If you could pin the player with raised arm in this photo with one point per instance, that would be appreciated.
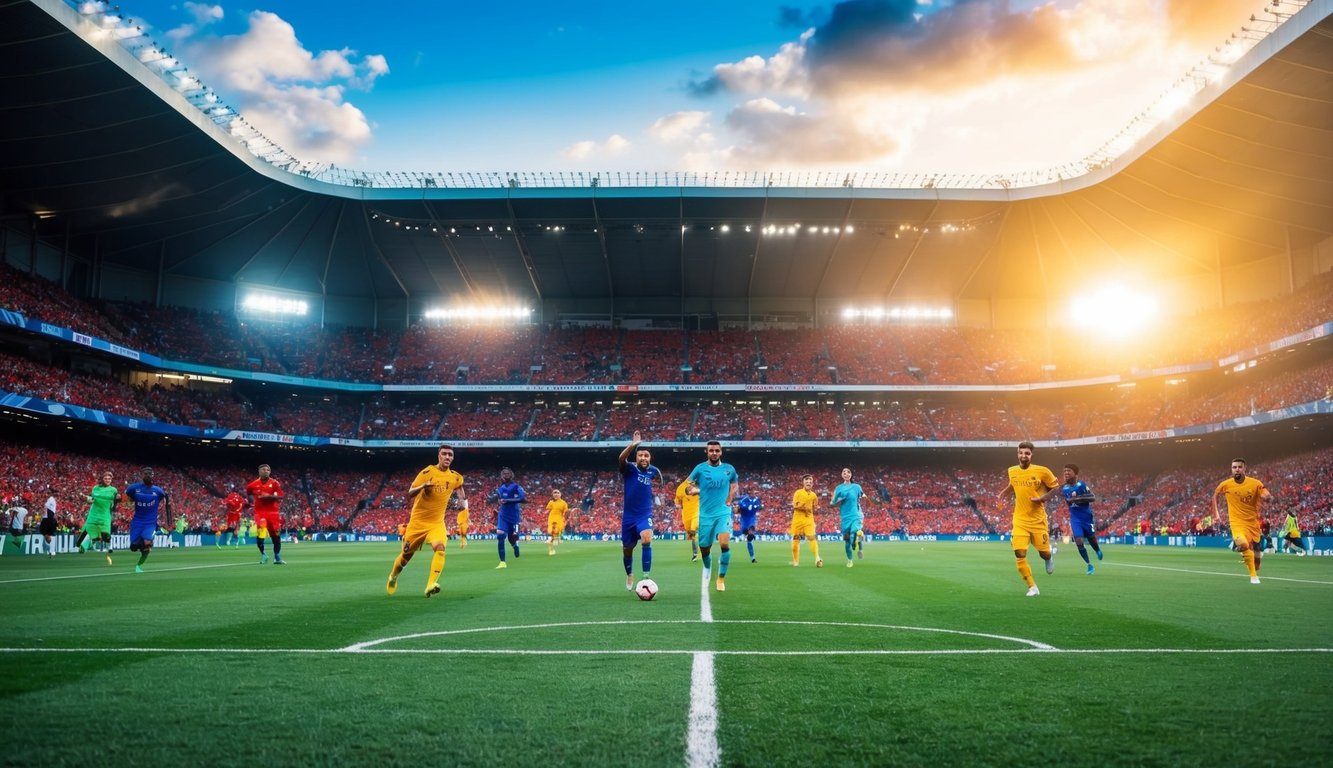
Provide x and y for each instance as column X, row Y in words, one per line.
column 429, row 493
column 148, row 500
column 1029, row 483
column 1243, row 495
column 510, row 514
column 1079, row 497
column 689, row 516
column 715, row 483
column 555, row 520
column 803, row 505
column 749, row 506
column 847, row 498
column 267, row 494
column 636, row 517
column 97, row 527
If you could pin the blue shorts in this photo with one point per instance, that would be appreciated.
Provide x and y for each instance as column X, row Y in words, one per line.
column 850, row 527
column 507, row 527
column 1081, row 527
column 710, row 529
column 631, row 531
column 142, row 531
column 749, row 521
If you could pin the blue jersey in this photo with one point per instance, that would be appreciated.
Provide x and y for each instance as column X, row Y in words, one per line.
column 749, row 506
column 848, row 498
column 511, row 496
column 147, row 499
column 714, row 489
column 638, row 491
column 1079, row 498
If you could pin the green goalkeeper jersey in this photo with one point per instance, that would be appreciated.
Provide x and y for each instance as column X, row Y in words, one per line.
column 104, row 496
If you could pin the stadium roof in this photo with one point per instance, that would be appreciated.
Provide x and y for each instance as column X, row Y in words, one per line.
column 101, row 158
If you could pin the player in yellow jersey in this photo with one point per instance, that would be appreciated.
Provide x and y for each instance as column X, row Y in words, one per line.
column 555, row 520
column 1243, row 495
column 462, row 522
column 689, row 516
column 1029, row 483
column 430, row 493
column 803, row 505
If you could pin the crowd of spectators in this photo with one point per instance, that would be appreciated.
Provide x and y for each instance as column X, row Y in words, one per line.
column 522, row 354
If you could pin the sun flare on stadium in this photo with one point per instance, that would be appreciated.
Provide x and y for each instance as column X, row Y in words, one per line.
column 1114, row 311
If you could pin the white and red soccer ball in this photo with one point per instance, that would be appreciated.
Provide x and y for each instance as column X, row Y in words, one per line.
column 646, row 589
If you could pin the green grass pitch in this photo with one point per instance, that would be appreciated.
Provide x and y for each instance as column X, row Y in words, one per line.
column 921, row 654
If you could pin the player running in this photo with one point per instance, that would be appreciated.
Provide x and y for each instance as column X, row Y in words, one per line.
column 555, row 520
column 97, row 526
column 1079, row 497
column 235, row 503
column 749, row 505
column 689, row 516
column 267, row 494
column 147, row 499
column 847, row 498
column 715, row 483
column 430, row 492
column 1029, row 483
column 803, row 505
column 507, row 520
column 1243, row 495
column 636, row 519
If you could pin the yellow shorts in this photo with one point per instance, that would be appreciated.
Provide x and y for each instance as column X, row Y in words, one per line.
column 419, row 533
column 690, row 523
column 462, row 522
column 1038, row 536
column 1246, row 531
column 803, row 525
column 555, row 527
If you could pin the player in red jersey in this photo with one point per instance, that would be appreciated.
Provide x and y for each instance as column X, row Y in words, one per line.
column 234, row 503
column 267, row 495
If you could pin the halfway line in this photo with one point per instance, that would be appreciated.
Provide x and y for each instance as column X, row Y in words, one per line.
column 701, row 748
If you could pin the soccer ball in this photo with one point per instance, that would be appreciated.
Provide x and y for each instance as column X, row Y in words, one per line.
column 646, row 589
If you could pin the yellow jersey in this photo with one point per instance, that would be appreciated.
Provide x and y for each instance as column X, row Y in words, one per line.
column 1036, row 480
column 1242, row 499
column 555, row 510
column 429, row 505
column 803, row 502
column 689, row 504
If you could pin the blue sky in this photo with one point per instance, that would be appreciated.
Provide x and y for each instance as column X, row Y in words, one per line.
column 950, row 86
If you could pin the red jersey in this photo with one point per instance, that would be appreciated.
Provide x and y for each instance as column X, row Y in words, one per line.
column 234, row 502
column 269, row 487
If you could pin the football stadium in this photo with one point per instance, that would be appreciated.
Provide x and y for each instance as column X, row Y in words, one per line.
column 305, row 464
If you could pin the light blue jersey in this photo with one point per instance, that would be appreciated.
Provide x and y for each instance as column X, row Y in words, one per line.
column 714, row 489
column 848, row 498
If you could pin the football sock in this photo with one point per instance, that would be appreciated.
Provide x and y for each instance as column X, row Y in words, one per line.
column 1248, row 557
column 723, row 562
column 796, row 550
column 398, row 564
column 1083, row 553
column 847, row 545
column 260, row 542
column 78, row 541
column 749, row 545
column 500, row 544
column 814, row 548
column 277, row 545
column 513, row 542
column 142, row 557
column 694, row 547
column 436, row 567
column 647, row 558
column 1092, row 540
column 708, row 560
column 1025, row 571
column 629, row 560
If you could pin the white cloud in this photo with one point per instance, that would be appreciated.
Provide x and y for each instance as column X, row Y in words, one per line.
column 615, row 144
column 289, row 94
column 679, row 126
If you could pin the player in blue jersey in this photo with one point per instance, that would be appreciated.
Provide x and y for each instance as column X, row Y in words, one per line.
column 511, row 496
column 847, row 498
column 1079, row 497
column 715, row 483
column 147, row 498
column 749, row 505
column 636, row 521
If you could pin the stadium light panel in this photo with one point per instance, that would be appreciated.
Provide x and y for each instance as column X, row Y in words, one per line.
column 275, row 304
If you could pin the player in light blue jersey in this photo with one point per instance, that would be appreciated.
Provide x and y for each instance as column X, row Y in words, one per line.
column 847, row 498
column 1079, row 498
column 715, row 483
column 636, row 521
column 147, row 498
column 749, row 505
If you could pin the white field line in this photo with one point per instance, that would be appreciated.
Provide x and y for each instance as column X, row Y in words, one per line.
column 701, row 747
column 1242, row 574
